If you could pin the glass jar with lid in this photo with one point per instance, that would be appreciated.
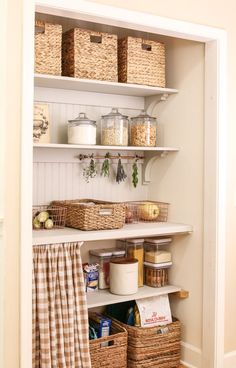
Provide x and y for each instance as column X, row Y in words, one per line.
column 114, row 129
column 82, row 130
column 134, row 249
column 143, row 130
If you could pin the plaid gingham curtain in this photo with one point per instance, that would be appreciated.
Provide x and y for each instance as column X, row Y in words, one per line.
column 60, row 320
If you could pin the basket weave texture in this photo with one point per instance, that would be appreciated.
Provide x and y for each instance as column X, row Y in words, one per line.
column 154, row 346
column 141, row 62
column 101, row 216
column 90, row 55
column 48, row 41
column 111, row 356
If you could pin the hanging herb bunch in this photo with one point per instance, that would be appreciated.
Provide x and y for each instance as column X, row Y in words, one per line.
column 105, row 171
column 90, row 171
column 120, row 174
column 135, row 173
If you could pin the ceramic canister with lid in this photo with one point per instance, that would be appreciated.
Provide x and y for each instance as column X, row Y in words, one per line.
column 82, row 130
column 123, row 276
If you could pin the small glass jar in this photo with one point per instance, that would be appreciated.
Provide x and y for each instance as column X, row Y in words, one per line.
column 143, row 130
column 156, row 275
column 114, row 129
column 82, row 130
column 152, row 252
column 134, row 249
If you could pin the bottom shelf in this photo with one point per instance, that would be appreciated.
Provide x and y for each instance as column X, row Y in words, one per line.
column 104, row 297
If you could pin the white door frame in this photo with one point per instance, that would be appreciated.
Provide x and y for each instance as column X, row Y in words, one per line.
column 215, row 151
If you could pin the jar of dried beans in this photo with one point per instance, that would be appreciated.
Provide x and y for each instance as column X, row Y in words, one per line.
column 143, row 130
column 114, row 129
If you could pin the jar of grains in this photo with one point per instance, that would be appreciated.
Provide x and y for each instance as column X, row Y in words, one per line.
column 143, row 130
column 114, row 129
column 82, row 130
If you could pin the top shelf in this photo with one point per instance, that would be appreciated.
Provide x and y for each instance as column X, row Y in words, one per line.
column 88, row 85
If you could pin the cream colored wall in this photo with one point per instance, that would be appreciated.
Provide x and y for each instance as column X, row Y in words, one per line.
column 10, row 72
column 218, row 14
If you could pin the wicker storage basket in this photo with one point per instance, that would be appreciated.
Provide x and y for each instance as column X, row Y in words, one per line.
column 154, row 346
column 115, row 354
column 48, row 41
column 101, row 216
column 88, row 54
column 141, row 62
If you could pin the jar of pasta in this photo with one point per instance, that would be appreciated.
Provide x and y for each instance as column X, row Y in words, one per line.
column 143, row 130
column 134, row 249
column 114, row 129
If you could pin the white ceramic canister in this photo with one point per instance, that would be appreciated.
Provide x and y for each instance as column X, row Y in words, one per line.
column 82, row 130
column 123, row 276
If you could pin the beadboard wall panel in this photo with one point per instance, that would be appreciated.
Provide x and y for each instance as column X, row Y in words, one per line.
column 58, row 173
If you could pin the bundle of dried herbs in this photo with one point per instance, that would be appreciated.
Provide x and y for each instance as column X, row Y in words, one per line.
column 120, row 174
column 90, row 171
column 105, row 171
column 135, row 173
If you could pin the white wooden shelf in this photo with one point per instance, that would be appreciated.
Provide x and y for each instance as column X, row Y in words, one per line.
column 65, row 235
column 104, row 297
column 104, row 148
column 87, row 85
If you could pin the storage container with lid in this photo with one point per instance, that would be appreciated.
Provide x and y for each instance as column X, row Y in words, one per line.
column 156, row 275
column 143, row 130
column 82, row 130
column 114, row 129
column 123, row 276
column 134, row 249
column 103, row 257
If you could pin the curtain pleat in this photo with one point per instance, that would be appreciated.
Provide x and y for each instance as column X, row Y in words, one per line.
column 60, row 318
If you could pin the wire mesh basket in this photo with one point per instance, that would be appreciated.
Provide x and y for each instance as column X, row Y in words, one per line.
column 48, row 217
column 146, row 211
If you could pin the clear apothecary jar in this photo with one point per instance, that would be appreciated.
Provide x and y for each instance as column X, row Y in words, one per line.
column 82, row 130
column 114, row 129
column 143, row 130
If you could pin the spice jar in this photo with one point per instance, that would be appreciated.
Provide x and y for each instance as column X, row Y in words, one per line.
column 82, row 130
column 134, row 249
column 114, row 129
column 143, row 130
column 123, row 276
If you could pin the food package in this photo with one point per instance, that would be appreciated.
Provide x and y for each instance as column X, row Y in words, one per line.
column 154, row 311
column 91, row 274
column 101, row 324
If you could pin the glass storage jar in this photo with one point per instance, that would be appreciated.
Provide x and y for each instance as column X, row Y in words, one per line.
column 114, row 129
column 102, row 257
column 134, row 249
column 143, row 130
column 82, row 130
column 156, row 275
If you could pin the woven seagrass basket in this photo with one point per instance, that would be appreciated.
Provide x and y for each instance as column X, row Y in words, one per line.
column 154, row 346
column 101, row 216
column 115, row 354
column 88, row 54
column 48, row 41
column 141, row 62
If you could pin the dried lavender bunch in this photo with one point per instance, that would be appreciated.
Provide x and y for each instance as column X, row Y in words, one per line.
column 120, row 174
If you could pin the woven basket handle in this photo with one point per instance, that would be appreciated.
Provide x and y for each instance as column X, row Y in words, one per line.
column 105, row 211
column 146, row 46
column 96, row 38
column 39, row 27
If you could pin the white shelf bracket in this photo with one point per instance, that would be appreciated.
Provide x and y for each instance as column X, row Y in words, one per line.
column 153, row 101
